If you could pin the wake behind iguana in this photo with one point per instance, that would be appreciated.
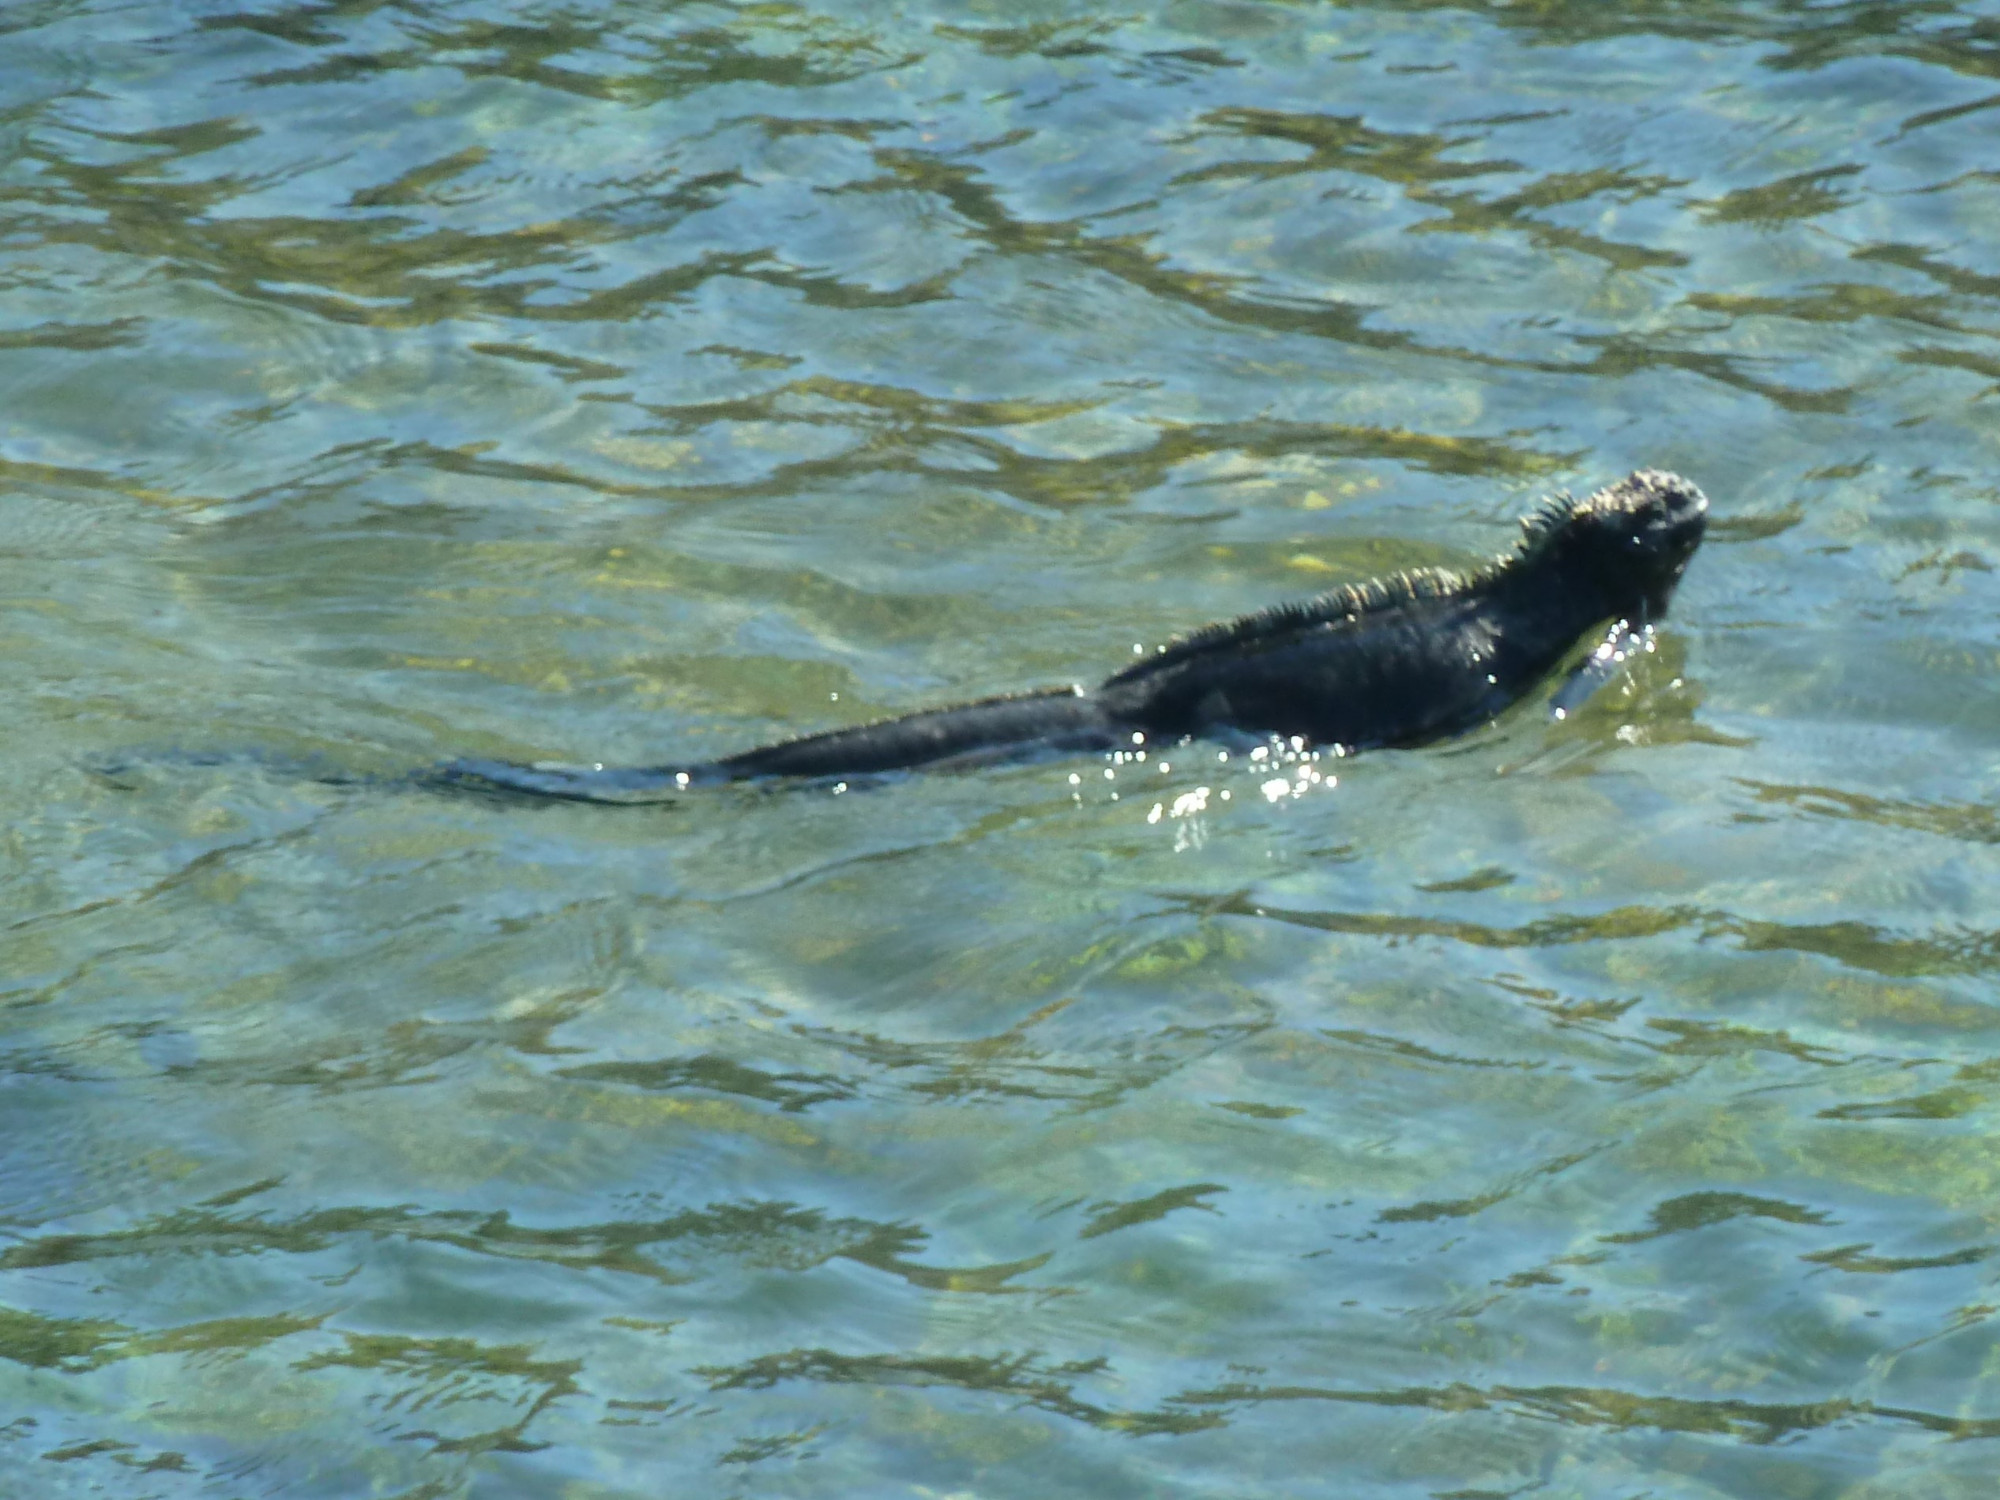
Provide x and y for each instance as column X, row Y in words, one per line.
column 1401, row 660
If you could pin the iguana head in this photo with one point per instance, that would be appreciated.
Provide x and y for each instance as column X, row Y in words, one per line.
column 1632, row 540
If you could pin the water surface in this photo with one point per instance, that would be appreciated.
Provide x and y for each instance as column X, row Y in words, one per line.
column 1595, row 1109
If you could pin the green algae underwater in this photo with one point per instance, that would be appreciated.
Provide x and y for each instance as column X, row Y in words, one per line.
column 1597, row 1108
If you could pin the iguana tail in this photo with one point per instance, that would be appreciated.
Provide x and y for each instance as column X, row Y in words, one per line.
column 1053, row 719
column 991, row 728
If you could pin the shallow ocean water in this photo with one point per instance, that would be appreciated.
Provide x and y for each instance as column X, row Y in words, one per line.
column 1606, row 1108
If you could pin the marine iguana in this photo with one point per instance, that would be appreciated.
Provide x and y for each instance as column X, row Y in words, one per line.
column 1396, row 661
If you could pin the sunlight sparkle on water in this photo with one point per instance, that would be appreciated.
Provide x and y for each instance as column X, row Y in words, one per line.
column 1186, row 805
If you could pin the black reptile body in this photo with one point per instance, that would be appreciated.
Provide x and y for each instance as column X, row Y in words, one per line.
column 1395, row 661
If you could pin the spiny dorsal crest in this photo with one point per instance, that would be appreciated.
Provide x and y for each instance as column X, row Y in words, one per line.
column 1545, row 520
column 1355, row 602
column 1349, row 602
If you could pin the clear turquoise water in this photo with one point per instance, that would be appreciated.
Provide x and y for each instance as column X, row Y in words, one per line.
column 1598, row 1109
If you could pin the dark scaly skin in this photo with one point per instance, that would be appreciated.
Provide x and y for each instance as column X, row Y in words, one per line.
column 1397, row 661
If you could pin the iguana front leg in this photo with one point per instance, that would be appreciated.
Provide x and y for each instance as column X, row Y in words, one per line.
column 1621, row 643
